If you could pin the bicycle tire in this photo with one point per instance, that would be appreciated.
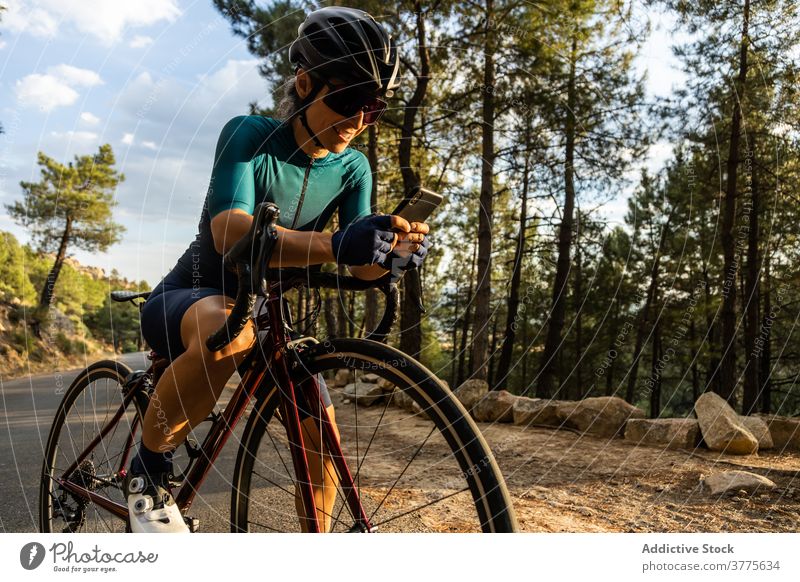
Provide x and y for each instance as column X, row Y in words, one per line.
column 55, row 504
column 493, row 509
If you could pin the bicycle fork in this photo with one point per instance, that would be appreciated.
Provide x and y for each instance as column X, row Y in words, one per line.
column 289, row 412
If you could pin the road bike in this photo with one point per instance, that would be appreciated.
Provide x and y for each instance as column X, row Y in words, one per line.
column 423, row 467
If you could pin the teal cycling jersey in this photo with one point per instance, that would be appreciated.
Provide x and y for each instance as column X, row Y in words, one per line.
column 257, row 159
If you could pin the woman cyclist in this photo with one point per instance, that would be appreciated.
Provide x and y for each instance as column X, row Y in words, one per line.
column 346, row 64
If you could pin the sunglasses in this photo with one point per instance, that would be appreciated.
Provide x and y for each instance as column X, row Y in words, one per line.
column 347, row 101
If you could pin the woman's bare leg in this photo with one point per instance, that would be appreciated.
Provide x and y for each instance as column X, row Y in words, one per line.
column 190, row 387
column 323, row 474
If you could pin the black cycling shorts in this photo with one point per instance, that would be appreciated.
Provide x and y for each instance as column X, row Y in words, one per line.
column 161, row 321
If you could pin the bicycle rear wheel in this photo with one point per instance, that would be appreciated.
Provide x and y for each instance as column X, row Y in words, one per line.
column 418, row 460
column 90, row 404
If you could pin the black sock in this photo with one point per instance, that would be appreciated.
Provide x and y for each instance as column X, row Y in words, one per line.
column 147, row 461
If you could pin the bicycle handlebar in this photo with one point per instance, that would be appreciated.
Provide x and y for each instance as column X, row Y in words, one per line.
column 250, row 256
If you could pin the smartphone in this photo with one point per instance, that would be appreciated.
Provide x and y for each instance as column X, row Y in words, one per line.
column 419, row 205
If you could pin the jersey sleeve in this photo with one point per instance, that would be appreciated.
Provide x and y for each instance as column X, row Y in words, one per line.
column 232, row 181
column 357, row 202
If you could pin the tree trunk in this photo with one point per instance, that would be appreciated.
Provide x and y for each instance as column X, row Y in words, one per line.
column 462, row 351
column 46, row 297
column 454, row 357
column 644, row 316
column 341, row 313
column 694, row 352
column 751, row 294
column 410, row 314
column 712, row 373
column 371, row 297
column 577, row 294
column 766, row 339
column 727, row 378
column 330, row 313
column 516, row 277
column 558, row 303
column 483, row 294
column 655, row 373
column 492, row 350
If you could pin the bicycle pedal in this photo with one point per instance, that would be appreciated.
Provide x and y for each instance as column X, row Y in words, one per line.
column 193, row 523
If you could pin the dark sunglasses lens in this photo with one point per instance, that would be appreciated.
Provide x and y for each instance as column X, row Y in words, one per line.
column 349, row 101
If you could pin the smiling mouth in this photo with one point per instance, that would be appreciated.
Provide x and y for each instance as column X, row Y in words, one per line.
column 345, row 136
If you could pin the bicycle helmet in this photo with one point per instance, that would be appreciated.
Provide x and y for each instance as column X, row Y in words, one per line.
column 347, row 44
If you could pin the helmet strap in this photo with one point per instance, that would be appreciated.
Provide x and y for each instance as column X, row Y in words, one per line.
column 309, row 99
column 313, row 135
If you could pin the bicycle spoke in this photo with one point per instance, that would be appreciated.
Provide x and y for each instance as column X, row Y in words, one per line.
column 403, row 472
column 421, row 507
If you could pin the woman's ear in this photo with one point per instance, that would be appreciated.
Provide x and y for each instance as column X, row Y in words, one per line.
column 303, row 83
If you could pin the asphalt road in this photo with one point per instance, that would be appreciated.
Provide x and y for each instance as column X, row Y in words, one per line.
column 27, row 408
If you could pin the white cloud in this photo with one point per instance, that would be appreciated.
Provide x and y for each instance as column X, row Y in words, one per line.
column 44, row 91
column 151, row 145
column 139, row 41
column 33, row 20
column 76, row 138
column 127, row 139
column 56, row 88
column 75, row 76
column 89, row 118
column 103, row 19
column 2, row 44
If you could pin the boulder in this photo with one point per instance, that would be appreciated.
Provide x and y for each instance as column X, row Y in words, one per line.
column 729, row 482
column 785, row 432
column 363, row 393
column 496, row 406
column 721, row 428
column 471, row 391
column 759, row 429
column 669, row 433
column 531, row 411
column 343, row 377
column 404, row 401
column 370, row 378
column 602, row 415
column 387, row 385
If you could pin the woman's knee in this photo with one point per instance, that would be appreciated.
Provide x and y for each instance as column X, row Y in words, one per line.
column 206, row 317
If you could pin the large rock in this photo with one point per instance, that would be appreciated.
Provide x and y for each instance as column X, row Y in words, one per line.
column 533, row 411
column 387, row 385
column 759, row 429
column 471, row 391
column 669, row 433
column 721, row 428
column 496, row 406
column 363, row 393
column 735, row 481
column 602, row 415
column 370, row 378
column 404, row 401
column 785, row 432
column 343, row 377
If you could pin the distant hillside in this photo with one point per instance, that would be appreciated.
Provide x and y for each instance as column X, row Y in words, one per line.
column 81, row 323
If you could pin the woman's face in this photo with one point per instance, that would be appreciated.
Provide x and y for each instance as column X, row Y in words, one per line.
column 334, row 131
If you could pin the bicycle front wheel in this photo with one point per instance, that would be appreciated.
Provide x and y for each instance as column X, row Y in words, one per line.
column 94, row 430
column 419, row 462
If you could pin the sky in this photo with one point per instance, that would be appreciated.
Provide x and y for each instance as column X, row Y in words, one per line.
column 156, row 79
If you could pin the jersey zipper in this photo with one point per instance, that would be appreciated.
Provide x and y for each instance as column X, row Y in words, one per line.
column 302, row 195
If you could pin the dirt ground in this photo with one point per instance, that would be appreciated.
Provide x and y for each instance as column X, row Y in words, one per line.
column 565, row 482
column 561, row 481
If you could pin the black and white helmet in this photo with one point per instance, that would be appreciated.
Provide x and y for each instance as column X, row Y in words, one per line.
column 350, row 45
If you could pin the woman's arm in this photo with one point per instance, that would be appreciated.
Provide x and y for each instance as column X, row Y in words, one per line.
column 297, row 248
column 294, row 248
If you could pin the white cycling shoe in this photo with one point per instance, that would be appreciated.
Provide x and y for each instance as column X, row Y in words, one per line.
column 151, row 506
